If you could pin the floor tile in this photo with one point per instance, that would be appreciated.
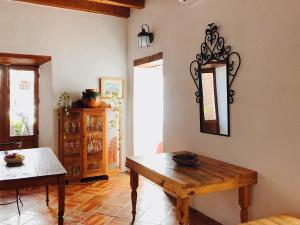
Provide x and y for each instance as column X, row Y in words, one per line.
column 108, row 210
column 76, row 217
column 18, row 219
column 96, row 219
column 155, row 218
column 87, row 207
column 80, row 198
column 120, row 221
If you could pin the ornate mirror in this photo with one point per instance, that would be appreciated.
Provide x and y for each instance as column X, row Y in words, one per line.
column 213, row 72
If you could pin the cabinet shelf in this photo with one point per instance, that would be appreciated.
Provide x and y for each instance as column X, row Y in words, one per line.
column 71, row 136
column 72, row 155
column 72, row 133
column 95, row 153
column 94, row 132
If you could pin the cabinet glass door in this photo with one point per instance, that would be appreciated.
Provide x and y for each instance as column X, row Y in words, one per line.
column 72, row 143
column 94, row 144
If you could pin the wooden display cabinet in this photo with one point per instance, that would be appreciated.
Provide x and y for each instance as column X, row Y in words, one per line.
column 89, row 142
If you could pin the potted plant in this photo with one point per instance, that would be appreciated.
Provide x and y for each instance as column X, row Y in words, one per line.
column 64, row 102
column 91, row 98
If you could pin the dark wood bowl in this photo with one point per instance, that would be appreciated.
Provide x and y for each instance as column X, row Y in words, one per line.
column 186, row 159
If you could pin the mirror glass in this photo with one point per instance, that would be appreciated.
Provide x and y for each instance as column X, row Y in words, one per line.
column 215, row 110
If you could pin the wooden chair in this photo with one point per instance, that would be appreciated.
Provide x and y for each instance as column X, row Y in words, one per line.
column 12, row 146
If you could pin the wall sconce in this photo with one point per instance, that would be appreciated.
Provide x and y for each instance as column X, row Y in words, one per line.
column 145, row 37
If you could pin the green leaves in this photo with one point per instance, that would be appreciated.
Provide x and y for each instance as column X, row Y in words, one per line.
column 90, row 94
column 64, row 102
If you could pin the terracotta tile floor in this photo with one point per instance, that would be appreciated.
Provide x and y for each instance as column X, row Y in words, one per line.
column 95, row 203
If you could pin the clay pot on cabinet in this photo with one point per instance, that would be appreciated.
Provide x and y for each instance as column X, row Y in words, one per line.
column 91, row 98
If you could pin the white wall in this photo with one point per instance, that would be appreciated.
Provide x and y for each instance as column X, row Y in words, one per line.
column 83, row 46
column 47, row 118
column 265, row 124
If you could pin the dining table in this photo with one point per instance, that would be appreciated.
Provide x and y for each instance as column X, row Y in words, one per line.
column 40, row 167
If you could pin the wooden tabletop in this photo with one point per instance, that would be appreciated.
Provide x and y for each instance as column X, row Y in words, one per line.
column 160, row 168
column 39, row 162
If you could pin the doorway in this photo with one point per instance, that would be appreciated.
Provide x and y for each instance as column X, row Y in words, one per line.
column 148, row 105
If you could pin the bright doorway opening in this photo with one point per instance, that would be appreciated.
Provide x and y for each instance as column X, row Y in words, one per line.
column 148, row 107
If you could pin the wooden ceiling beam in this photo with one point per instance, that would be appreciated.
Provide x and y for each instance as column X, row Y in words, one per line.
column 86, row 6
column 137, row 4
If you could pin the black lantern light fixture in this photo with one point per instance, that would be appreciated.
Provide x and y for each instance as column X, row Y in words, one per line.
column 145, row 37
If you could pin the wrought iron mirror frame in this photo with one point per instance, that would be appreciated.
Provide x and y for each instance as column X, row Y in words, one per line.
column 214, row 49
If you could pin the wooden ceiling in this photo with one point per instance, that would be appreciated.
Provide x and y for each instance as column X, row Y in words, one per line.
column 119, row 8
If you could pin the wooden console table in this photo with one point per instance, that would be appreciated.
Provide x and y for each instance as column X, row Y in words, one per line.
column 209, row 175
column 40, row 167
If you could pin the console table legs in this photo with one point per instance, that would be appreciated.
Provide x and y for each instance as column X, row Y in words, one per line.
column 134, row 182
column 182, row 209
column 244, row 201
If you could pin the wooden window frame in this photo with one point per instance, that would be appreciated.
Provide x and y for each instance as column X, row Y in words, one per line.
column 28, row 141
column 19, row 61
